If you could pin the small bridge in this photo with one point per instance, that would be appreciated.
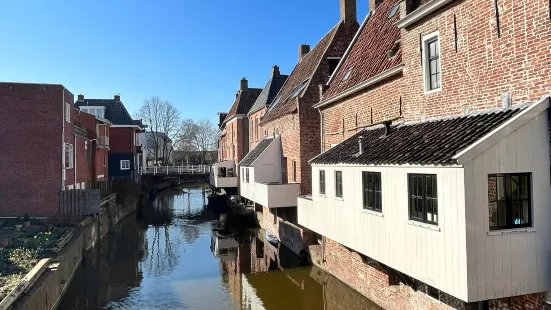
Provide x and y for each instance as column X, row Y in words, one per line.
column 175, row 170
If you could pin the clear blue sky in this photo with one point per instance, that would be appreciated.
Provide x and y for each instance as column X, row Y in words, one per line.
column 192, row 53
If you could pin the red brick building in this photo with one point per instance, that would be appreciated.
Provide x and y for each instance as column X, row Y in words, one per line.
column 97, row 129
column 124, row 148
column 236, row 123
column 422, row 63
column 48, row 149
column 261, row 104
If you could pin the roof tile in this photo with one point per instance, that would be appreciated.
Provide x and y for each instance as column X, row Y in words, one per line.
column 368, row 54
column 429, row 142
column 115, row 111
column 244, row 101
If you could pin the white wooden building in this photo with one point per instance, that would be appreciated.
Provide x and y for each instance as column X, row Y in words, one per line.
column 261, row 176
column 462, row 204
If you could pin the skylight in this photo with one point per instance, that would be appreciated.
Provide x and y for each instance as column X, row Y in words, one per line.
column 276, row 101
column 347, row 75
column 299, row 89
column 394, row 10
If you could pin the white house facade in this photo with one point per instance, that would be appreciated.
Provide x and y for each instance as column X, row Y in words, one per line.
column 461, row 204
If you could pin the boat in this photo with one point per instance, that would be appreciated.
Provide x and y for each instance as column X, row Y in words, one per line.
column 272, row 239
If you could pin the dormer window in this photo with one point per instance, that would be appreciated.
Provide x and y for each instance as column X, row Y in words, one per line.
column 394, row 11
column 96, row 111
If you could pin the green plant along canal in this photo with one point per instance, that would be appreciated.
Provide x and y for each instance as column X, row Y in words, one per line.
column 171, row 259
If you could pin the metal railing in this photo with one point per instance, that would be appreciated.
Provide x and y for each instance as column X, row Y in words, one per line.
column 184, row 169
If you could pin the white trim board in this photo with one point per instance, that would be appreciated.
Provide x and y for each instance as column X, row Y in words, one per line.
column 502, row 131
column 422, row 12
column 378, row 78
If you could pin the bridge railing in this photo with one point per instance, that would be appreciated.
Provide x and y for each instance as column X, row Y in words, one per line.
column 183, row 169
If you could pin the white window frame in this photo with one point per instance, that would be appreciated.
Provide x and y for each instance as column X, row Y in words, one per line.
column 93, row 110
column 425, row 55
column 123, row 166
column 67, row 112
column 70, row 149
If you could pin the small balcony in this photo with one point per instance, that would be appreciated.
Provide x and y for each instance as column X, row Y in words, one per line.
column 223, row 175
column 272, row 195
column 103, row 142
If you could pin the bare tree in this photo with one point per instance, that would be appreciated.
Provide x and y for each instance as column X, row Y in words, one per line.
column 163, row 127
column 199, row 136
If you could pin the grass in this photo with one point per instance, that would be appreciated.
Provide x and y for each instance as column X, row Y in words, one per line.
column 22, row 254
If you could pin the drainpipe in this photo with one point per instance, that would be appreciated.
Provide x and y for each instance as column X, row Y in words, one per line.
column 321, row 131
column 63, row 139
column 75, row 159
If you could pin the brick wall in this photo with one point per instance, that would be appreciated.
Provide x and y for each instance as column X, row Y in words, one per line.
column 255, row 131
column 102, row 163
column 485, row 65
column 121, row 140
column 31, row 120
column 372, row 105
column 83, row 161
column 368, row 278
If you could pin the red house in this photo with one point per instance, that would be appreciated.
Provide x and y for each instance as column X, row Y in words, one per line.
column 97, row 129
column 46, row 148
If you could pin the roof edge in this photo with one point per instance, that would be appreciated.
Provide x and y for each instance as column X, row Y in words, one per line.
column 422, row 12
column 502, row 131
column 371, row 81
column 259, row 155
column 354, row 39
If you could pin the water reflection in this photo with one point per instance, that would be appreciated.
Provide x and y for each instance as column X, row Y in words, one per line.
column 172, row 259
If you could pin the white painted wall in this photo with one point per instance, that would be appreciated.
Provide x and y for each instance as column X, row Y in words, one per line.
column 435, row 255
column 511, row 263
column 269, row 195
column 268, row 164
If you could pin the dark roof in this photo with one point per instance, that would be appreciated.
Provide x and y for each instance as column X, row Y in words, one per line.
column 256, row 152
column 429, row 142
column 284, row 103
column 243, row 102
column 268, row 93
column 115, row 111
column 368, row 56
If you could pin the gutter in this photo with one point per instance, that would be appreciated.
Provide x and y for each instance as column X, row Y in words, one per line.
column 422, row 12
column 379, row 77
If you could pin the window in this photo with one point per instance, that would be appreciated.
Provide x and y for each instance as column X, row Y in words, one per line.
column 333, row 63
column 294, row 171
column 125, row 164
column 338, row 184
column 105, row 160
column 394, row 11
column 347, row 75
column 247, row 175
column 509, row 200
column 299, row 89
column 256, row 129
column 423, row 198
column 372, row 198
column 431, row 62
column 243, row 174
column 322, row 182
column 67, row 112
column 96, row 111
column 69, row 156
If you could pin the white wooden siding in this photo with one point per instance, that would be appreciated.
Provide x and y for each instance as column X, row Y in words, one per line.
column 435, row 256
column 512, row 263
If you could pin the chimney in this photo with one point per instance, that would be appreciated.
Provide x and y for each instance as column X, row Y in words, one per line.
column 348, row 11
column 303, row 50
column 81, row 98
column 322, row 89
column 275, row 72
column 388, row 129
column 506, row 100
column 373, row 4
column 117, row 98
column 244, row 84
column 361, row 145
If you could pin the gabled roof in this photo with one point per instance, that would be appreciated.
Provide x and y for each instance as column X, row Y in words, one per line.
column 115, row 111
column 268, row 93
column 243, row 103
column 368, row 54
column 256, row 152
column 286, row 100
column 433, row 142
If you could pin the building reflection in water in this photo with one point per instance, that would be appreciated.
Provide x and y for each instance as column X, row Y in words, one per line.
column 259, row 275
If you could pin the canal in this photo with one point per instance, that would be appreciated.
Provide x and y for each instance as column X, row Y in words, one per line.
column 169, row 257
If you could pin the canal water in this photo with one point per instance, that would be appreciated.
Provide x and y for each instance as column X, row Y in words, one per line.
column 169, row 257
